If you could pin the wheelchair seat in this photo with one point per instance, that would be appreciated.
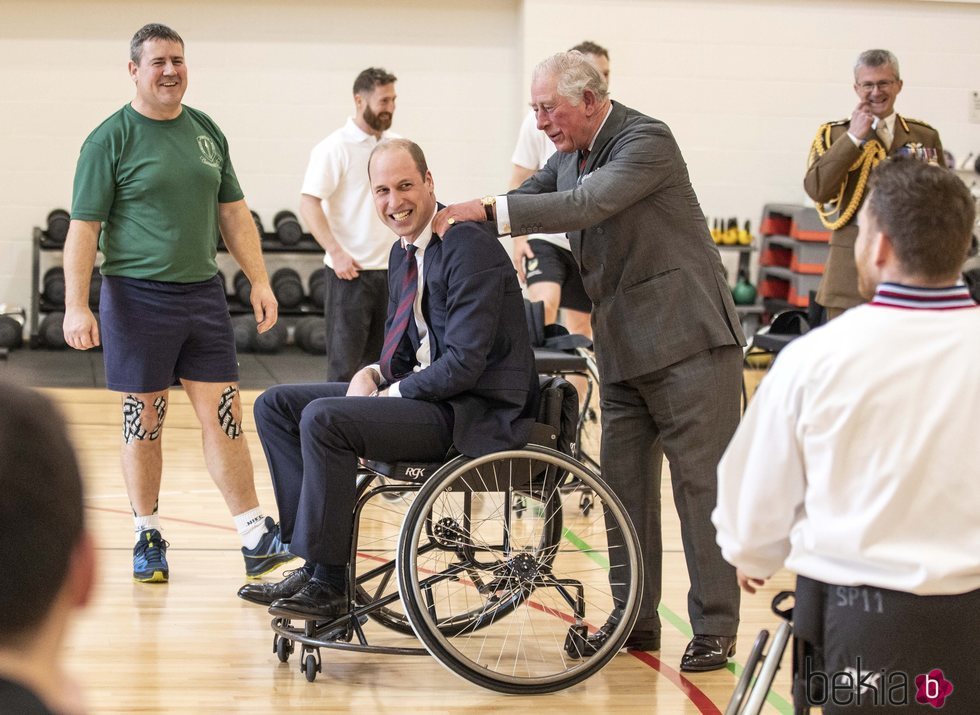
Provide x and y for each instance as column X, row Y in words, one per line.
column 559, row 361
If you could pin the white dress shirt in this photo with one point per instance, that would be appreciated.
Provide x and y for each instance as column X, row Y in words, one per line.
column 857, row 461
column 422, row 355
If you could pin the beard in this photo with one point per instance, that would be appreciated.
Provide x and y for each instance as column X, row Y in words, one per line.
column 378, row 122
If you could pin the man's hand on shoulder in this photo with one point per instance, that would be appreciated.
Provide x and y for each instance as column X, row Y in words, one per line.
column 456, row 213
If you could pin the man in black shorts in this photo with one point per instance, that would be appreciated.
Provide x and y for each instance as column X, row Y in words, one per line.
column 154, row 186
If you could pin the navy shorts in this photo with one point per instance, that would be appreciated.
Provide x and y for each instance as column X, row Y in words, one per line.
column 553, row 264
column 154, row 333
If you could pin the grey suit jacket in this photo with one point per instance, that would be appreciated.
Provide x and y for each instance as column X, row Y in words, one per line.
column 638, row 234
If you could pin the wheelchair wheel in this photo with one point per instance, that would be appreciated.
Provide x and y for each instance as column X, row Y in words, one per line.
column 522, row 594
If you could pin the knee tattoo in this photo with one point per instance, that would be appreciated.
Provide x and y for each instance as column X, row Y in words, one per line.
column 226, row 415
column 133, row 428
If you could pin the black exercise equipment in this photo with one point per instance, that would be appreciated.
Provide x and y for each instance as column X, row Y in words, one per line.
column 52, row 331
column 287, row 287
column 54, row 285
column 287, row 228
column 311, row 335
column 318, row 287
column 57, row 230
column 243, row 289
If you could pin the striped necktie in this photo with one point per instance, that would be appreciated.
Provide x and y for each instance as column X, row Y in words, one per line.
column 399, row 324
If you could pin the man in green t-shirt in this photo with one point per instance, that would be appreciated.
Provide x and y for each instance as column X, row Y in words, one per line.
column 154, row 190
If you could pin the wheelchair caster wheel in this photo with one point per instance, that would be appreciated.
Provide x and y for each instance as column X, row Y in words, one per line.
column 577, row 641
column 283, row 648
column 585, row 504
column 311, row 663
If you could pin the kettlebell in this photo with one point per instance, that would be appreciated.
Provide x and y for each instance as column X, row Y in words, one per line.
column 744, row 292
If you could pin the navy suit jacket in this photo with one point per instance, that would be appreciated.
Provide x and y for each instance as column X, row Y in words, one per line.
column 482, row 364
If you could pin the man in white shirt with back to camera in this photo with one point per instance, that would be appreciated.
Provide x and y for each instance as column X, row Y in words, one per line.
column 857, row 468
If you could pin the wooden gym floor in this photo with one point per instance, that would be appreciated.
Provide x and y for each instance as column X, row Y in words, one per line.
column 193, row 646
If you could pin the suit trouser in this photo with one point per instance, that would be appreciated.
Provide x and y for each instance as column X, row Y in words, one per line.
column 313, row 435
column 355, row 312
column 688, row 411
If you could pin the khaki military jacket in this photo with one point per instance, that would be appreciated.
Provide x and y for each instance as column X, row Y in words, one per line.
column 836, row 179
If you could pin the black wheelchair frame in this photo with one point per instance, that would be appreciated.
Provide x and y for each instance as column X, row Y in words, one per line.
column 504, row 597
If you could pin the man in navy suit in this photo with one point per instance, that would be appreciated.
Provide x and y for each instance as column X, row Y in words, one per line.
column 457, row 368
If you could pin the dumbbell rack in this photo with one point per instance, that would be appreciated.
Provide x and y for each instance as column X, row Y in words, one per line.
column 42, row 244
column 272, row 245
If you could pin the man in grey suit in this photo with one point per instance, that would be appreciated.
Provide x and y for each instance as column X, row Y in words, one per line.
column 667, row 337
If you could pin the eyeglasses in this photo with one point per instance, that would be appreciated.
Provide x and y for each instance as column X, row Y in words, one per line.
column 881, row 85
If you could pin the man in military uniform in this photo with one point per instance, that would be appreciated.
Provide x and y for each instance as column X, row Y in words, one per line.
column 843, row 155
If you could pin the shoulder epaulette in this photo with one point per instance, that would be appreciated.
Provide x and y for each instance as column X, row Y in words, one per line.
column 839, row 122
column 917, row 121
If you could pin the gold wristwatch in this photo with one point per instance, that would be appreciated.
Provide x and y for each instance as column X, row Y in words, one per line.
column 489, row 202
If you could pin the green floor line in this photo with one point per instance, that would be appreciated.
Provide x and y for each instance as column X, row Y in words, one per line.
column 774, row 699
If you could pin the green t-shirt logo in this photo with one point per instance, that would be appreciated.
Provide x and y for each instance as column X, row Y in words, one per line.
column 209, row 151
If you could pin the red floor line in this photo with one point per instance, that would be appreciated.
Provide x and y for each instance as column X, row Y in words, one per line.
column 166, row 518
column 692, row 691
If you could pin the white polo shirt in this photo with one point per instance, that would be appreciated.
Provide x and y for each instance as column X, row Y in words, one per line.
column 337, row 175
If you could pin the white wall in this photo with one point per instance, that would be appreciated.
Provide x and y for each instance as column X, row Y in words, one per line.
column 275, row 75
column 743, row 85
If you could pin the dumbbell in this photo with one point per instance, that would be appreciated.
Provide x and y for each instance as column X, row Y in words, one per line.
column 243, row 289
column 287, row 228
column 248, row 339
column 311, row 335
column 272, row 340
column 52, row 331
column 54, row 285
column 318, row 286
column 244, row 327
column 287, row 287
column 258, row 224
column 57, row 229
column 12, row 329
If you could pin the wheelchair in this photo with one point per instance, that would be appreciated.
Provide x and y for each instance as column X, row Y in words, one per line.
column 760, row 668
column 558, row 353
column 505, row 601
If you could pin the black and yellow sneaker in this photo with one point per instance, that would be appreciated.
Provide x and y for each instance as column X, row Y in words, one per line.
column 150, row 558
column 269, row 553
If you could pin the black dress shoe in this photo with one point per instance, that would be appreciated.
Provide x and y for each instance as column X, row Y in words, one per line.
column 266, row 593
column 708, row 653
column 316, row 601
